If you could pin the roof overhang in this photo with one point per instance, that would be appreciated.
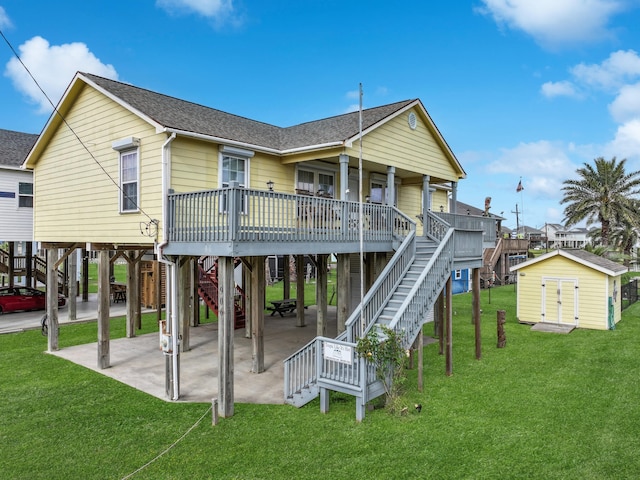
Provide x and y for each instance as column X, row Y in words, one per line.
column 567, row 254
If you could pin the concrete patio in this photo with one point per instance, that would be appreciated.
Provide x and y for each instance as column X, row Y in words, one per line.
column 138, row 361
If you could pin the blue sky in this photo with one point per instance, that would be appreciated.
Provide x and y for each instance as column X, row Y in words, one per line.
column 519, row 88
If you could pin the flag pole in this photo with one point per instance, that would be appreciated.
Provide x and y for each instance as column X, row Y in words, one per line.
column 361, row 219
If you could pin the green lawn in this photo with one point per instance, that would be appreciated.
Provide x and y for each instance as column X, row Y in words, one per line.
column 546, row 406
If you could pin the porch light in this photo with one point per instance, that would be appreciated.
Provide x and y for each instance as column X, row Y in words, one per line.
column 367, row 199
column 441, row 208
column 270, row 185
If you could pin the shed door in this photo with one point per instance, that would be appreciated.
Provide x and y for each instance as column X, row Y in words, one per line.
column 560, row 300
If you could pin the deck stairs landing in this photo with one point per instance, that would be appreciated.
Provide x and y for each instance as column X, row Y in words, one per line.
column 400, row 299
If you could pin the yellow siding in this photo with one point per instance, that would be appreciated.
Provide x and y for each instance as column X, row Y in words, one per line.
column 440, row 198
column 615, row 284
column 592, row 291
column 395, row 144
column 410, row 203
column 75, row 199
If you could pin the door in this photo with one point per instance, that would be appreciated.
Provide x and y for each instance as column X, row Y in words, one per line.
column 560, row 300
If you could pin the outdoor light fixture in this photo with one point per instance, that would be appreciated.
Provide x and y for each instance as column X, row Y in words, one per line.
column 367, row 199
column 441, row 208
column 270, row 185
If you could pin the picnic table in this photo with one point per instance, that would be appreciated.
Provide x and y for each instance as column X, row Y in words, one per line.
column 286, row 305
column 118, row 292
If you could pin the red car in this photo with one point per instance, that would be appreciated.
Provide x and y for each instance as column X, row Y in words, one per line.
column 13, row 299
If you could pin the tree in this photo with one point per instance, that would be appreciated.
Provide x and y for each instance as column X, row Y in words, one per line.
column 603, row 195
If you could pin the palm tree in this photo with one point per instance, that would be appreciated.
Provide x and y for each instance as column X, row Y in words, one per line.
column 603, row 194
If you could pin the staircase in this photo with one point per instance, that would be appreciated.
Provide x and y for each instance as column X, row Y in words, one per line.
column 38, row 267
column 208, row 290
column 400, row 299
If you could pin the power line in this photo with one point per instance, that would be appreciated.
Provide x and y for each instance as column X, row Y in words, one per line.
column 57, row 112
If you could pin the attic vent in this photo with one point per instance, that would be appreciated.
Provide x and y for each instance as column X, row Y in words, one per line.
column 413, row 121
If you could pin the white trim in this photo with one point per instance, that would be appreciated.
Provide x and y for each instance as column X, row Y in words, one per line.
column 236, row 152
column 128, row 143
column 120, row 181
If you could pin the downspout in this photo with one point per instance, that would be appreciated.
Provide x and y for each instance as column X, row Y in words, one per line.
column 172, row 294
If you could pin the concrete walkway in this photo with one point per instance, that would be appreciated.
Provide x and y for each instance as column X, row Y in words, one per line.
column 138, row 361
column 85, row 312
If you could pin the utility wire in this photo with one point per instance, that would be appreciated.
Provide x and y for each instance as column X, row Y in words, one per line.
column 57, row 112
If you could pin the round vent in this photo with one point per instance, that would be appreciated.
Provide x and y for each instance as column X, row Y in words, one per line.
column 413, row 121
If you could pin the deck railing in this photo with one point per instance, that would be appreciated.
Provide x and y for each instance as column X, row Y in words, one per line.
column 237, row 214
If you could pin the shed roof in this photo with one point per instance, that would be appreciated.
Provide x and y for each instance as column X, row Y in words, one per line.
column 14, row 147
column 591, row 260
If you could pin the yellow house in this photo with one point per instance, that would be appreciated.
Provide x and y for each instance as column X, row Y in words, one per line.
column 122, row 169
column 570, row 287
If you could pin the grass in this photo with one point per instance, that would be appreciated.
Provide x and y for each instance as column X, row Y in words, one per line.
column 546, row 406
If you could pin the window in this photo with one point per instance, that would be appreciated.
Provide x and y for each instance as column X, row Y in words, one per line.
column 233, row 170
column 25, row 195
column 129, row 181
column 234, row 167
column 457, row 275
column 312, row 182
column 379, row 192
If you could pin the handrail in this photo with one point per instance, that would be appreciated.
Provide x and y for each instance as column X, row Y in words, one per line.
column 379, row 293
column 235, row 214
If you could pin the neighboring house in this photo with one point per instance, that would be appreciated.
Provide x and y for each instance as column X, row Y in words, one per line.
column 184, row 182
column 16, row 201
column 570, row 287
column 535, row 236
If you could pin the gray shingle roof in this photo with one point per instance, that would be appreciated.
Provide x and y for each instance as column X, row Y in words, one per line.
column 179, row 114
column 14, row 147
column 597, row 260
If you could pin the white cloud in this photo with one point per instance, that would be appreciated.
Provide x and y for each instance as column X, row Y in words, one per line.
column 554, row 23
column 219, row 10
column 619, row 68
column 53, row 66
column 626, row 143
column 5, row 21
column 543, row 165
column 559, row 89
column 626, row 105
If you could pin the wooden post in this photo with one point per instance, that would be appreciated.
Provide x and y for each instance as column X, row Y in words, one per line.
column 344, row 290
column 72, row 278
column 195, row 307
column 247, row 269
column 501, row 319
column 475, row 292
column 52, row 298
column 184, row 301
column 104, row 293
column 31, row 281
column 321, row 294
column 300, row 320
column 440, row 326
column 10, row 272
column 131, row 271
column 226, row 315
column 257, row 311
column 137, row 297
column 286, row 277
column 420, row 361
column 157, row 274
column 85, row 275
column 449, row 321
